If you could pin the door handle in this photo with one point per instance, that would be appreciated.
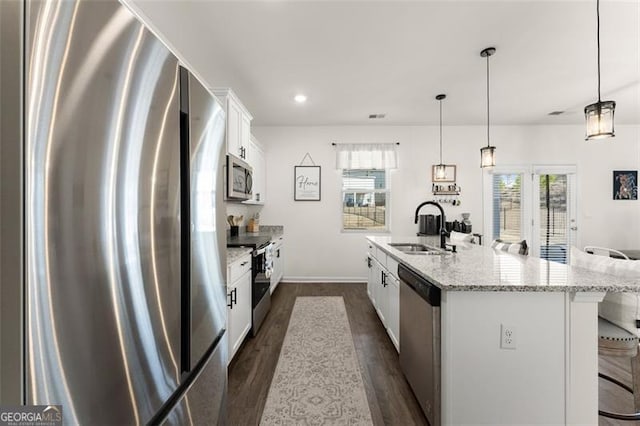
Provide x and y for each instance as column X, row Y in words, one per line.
column 230, row 304
column 234, row 296
column 369, row 262
column 574, row 228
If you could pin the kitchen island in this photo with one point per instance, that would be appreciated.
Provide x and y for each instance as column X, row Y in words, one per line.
column 550, row 375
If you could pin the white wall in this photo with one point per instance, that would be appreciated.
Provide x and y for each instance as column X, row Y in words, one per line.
column 316, row 247
column 239, row 209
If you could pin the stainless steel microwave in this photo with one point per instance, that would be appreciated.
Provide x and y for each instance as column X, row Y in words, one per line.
column 239, row 179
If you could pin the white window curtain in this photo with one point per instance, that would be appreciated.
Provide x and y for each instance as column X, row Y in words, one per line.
column 367, row 156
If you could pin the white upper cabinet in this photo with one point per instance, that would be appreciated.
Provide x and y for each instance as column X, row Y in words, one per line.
column 257, row 161
column 238, row 130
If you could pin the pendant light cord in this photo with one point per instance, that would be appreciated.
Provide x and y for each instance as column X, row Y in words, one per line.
column 598, row 38
column 488, row 140
column 440, row 131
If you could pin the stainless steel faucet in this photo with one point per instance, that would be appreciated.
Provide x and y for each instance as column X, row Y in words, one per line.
column 443, row 231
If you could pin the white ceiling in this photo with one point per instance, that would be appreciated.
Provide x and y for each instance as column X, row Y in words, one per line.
column 354, row 58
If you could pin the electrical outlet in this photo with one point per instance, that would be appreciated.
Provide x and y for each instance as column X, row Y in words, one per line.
column 507, row 336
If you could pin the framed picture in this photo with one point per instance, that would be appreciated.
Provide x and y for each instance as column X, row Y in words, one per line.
column 625, row 184
column 449, row 175
column 306, row 181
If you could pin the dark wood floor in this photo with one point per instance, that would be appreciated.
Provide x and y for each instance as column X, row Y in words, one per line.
column 390, row 398
column 389, row 395
column 612, row 397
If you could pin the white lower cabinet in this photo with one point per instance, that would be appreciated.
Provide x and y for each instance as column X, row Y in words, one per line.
column 238, row 303
column 381, row 293
column 371, row 280
column 278, row 262
column 383, row 288
column 393, row 317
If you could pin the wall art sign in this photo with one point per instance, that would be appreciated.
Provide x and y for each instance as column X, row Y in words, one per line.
column 306, row 183
column 625, row 184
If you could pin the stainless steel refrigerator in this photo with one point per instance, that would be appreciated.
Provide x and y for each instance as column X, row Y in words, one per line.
column 112, row 291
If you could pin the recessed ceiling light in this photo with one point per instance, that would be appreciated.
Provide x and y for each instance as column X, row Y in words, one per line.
column 300, row 98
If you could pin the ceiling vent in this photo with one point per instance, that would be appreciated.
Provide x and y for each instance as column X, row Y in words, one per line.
column 556, row 112
column 375, row 116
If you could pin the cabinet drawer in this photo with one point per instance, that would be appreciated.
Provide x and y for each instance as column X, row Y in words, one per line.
column 238, row 268
column 372, row 249
column 392, row 266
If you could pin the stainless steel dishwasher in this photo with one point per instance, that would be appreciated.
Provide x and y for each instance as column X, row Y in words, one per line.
column 420, row 340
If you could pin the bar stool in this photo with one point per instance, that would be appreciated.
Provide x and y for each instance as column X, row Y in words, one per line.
column 617, row 339
column 618, row 342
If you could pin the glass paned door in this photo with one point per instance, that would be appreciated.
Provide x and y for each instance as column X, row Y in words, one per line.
column 554, row 223
column 507, row 215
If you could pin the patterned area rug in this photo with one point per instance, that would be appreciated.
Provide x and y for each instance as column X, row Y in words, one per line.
column 317, row 380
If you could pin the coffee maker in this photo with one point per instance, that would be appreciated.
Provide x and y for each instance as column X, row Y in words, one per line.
column 429, row 224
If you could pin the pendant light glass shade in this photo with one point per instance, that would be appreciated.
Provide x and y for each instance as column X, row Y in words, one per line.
column 441, row 173
column 440, row 169
column 599, row 115
column 487, row 156
column 488, row 153
column 599, row 118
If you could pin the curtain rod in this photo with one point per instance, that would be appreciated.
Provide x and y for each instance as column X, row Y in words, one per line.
column 334, row 144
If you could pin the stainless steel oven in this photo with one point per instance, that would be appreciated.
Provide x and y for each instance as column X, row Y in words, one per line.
column 261, row 270
column 239, row 179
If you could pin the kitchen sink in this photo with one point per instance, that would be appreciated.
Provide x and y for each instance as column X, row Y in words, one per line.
column 417, row 248
column 410, row 246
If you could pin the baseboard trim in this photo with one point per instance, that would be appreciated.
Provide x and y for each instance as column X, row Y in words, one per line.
column 349, row 280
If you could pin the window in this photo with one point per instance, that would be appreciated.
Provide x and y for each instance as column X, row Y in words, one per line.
column 507, row 207
column 365, row 197
column 554, row 215
column 536, row 203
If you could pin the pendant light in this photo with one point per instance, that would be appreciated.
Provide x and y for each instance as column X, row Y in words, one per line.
column 488, row 153
column 441, row 169
column 599, row 115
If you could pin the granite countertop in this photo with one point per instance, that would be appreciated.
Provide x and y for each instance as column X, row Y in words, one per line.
column 480, row 268
column 235, row 253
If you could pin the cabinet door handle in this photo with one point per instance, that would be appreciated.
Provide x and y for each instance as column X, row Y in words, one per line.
column 369, row 262
column 230, row 304
column 234, row 296
column 384, row 279
column 278, row 253
column 244, row 263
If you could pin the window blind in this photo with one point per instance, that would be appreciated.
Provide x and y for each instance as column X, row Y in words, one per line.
column 507, row 207
column 554, row 229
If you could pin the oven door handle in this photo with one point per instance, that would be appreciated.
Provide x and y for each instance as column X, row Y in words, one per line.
column 261, row 250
